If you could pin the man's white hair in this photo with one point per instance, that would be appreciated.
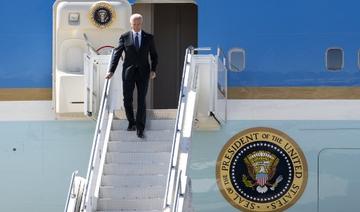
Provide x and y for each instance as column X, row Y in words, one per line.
column 135, row 16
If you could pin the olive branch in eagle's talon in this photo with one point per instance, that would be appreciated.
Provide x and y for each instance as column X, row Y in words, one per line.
column 247, row 182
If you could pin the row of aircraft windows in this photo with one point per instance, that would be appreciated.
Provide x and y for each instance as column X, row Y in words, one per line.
column 334, row 59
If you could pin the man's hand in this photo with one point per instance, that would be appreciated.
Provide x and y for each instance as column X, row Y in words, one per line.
column 109, row 75
column 152, row 74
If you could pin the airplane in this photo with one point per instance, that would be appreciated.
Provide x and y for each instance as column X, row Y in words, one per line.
column 254, row 108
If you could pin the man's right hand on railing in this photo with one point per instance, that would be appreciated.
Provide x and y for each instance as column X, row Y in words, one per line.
column 109, row 75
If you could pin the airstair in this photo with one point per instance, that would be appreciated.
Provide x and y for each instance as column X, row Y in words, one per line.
column 135, row 170
column 126, row 173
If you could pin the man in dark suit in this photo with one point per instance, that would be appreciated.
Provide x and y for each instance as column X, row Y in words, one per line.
column 137, row 46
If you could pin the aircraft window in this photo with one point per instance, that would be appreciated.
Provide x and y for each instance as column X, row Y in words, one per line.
column 236, row 59
column 334, row 59
column 74, row 18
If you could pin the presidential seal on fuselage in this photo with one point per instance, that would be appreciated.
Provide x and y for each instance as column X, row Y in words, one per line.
column 261, row 169
column 102, row 15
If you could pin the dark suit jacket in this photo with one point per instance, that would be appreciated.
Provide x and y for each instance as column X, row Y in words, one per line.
column 135, row 60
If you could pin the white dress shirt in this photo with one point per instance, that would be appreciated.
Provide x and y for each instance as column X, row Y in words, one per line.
column 139, row 35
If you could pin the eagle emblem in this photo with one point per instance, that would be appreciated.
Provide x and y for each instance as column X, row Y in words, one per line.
column 256, row 170
column 102, row 14
column 261, row 167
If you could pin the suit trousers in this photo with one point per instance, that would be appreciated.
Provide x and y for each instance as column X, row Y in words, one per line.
column 128, row 90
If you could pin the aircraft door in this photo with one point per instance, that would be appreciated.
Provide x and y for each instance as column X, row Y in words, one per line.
column 174, row 26
column 83, row 34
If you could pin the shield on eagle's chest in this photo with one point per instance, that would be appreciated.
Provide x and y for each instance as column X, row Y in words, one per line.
column 261, row 179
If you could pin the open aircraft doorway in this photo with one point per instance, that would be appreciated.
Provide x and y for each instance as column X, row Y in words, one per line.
column 174, row 26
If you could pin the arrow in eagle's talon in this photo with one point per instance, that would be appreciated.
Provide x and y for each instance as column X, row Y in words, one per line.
column 277, row 181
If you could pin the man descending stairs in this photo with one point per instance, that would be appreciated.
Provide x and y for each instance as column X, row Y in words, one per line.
column 135, row 172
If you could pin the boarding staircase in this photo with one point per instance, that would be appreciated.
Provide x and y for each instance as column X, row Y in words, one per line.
column 135, row 171
column 127, row 173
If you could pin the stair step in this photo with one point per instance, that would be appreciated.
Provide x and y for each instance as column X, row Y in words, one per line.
column 137, row 204
column 150, row 135
column 151, row 114
column 142, row 157
column 160, row 124
column 134, row 181
column 135, row 169
column 131, row 192
column 133, row 146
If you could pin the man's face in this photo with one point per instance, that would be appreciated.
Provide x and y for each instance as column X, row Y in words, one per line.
column 136, row 25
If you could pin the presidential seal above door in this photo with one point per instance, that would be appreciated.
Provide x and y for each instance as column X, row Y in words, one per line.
column 102, row 14
column 261, row 169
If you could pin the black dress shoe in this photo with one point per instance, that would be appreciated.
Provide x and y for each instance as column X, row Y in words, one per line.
column 131, row 127
column 140, row 133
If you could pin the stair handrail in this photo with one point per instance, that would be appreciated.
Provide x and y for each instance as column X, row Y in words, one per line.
column 71, row 192
column 103, row 105
column 100, row 121
column 222, row 58
column 105, row 111
column 102, row 133
column 174, row 184
column 171, row 177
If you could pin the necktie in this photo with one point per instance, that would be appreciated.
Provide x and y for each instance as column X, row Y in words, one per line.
column 137, row 46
